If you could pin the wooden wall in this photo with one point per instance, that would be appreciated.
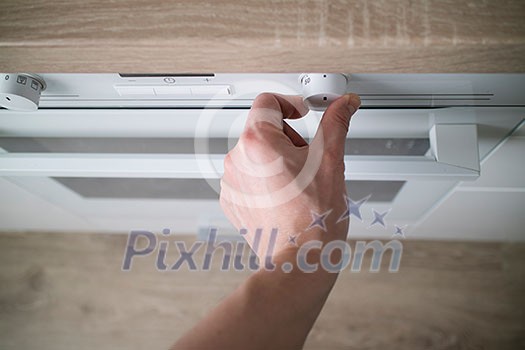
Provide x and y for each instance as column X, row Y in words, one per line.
column 67, row 291
column 262, row 36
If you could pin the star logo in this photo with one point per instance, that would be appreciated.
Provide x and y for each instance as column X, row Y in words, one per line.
column 292, row 239
column 353, row 208
column 319, row 220
column 399, row 232
column 379, row 218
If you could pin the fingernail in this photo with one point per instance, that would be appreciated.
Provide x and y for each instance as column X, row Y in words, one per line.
column 348, row 105
column 353, row 101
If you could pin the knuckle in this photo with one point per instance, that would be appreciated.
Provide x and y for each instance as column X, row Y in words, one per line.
column 265, row 99
column 250, row 134
column 222, row 182
column 228, row 163
column 256, row 139
column 226, row 186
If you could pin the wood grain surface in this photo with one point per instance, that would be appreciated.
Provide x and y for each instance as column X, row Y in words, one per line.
column 67, row 291
column 262, row 36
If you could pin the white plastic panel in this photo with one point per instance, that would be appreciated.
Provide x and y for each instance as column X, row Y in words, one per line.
column 174, row 91
column 210, row 166
column 376, row 90
column 507, row 169
column 394, row 106
column 455, row 144
column 493, row 123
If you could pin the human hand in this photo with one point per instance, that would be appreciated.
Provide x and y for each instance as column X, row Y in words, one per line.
column 274, row 179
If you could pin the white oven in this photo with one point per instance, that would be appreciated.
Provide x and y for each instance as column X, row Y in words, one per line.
column 117, row 152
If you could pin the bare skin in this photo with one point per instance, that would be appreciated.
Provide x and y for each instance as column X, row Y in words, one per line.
column 274, row 179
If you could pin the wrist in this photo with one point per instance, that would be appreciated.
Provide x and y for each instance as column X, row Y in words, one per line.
column 302, row 264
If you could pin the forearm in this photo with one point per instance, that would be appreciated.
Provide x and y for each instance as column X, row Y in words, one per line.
column 274, row 179
column 270, row 310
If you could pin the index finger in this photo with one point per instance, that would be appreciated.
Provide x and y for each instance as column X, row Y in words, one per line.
column 274, row 108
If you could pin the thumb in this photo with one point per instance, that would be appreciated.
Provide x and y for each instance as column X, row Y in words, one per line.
column 334, row 125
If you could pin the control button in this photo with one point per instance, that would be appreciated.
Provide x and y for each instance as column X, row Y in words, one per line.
column 134, row 90
column 172, row 90
column 211, row 90
column 21, row 80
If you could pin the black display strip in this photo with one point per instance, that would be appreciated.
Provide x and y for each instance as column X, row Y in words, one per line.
column 160, row 75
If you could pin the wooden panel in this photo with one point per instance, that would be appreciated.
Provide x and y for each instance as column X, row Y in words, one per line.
column 67, row 291
column 262, row 36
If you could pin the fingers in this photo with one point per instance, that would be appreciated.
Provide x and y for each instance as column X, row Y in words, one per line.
column 296, row 139
column 334, row 125
column 290, row 107
column 267, row 114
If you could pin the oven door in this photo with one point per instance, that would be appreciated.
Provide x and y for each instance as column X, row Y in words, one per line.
column 120, row 159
